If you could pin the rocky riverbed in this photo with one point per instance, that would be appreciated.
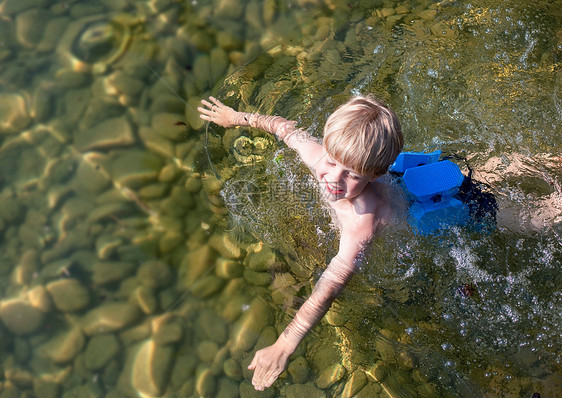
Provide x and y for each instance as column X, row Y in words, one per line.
column 119, row 274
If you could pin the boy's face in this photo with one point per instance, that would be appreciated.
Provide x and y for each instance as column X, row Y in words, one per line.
column 338, row 181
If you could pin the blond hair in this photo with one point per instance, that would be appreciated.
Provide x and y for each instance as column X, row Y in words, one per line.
column 365, row 135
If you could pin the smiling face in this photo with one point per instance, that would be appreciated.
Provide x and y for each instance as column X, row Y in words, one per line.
column 338, row 181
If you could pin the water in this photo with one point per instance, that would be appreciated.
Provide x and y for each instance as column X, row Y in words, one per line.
column 114, row 248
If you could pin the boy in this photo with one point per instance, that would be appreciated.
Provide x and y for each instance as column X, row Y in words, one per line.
column 362, row 138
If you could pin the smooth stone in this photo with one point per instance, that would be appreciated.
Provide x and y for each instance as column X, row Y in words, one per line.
column 135, row 168
column 109, row 317
column 166, row 124
column 90, row 177
column 227, row 388
column 13, row 113
column 68, row 295
column 70, row 79
column 247, row 390
column 45, row 389
column 205, row 383
column 267, row 337
column 219, row 63
column 182, row 196
column 154, row 191
column 354, row 384
column 307, row 390
column 232, row 369
column 155, row 274
column 41, row 104
column 207, row 286
column 145, row 299
column 20, row 317
column 100, row 350
column 64, row 347
column 125, row 84
column 427, row 14
column 107, row 245
column 147, row 369
column 111, row 271
column 214, row 328
column 330, row 375
column 100, row 108
column 136, row 334
column 377, row 372
column 167, row 333
column 407, row 360
column 193, row 183
column 108, row 134
column 11, row 7
column 225, row 245
column 159, row 145
column 248, row 328
column 169, row 173
column 183, row 370
column 195, row 264
column 257, row 278
column 228, row 269
column 207, row 350
column 192, row 115
column 30, row 25
column 54, row 29
column 261, row 260
column 375, row 390
column 299, row 370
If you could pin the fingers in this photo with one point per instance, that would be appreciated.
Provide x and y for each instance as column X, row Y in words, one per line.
column 254, row 362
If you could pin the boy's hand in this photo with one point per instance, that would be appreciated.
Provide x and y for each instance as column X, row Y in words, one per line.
column 268, row 364
column 219, row 113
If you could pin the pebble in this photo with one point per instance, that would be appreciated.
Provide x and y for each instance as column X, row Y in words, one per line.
column 330, row 375
column 307, row 390
column 232, row 369
column 20, row 317
column 214, row 328
column 299, row 370
column 205, row 383
column 109, row 317
column 111, row 271
column 13, row 113
column 207, row 350
column 166, row 124
column 154, row 274
column 227, row 388
column 63, row 347
column 261, row 260
column 228, row 269
column 68, row 295
column 195, row 264
column 145, row 299
column 377, row 372
column 247, row 329
column 108, row 134
column 147, row 369
column 30, row 25
column 247, row 390
column 100, row 350
column 135, row 168
column 167, row 333
column 354, row 384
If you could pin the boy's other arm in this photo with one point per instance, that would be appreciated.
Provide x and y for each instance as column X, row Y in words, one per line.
column 270, row 362
column 285, row 130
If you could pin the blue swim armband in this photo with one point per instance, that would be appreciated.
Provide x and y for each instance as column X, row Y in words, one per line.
column 431, row 185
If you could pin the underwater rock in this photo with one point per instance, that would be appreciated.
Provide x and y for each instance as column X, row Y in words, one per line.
column 11, row 7
column 39, row 298
column 330, row 375
column 111, row 271
column 109, row 317
column 247, row 329
column 184, row 367
column 54, row 29
column 247, row 390
column 90, row 177
column 105, row 135
column 45, row 389
column 125, row 84
column 13, row 113
column 147, row 369
column 232, row 369
column 205, row 383
column 375, row 390
column 307, row 390
column 227, row 388
column 41, row 104
column 20, row 317
column 63, row 347
column 30, row 25
column 207, row 286
column 377, row 372
column 228, row 269
column 135, row 168
column 213, row 326
column 167, row 333
column 157, row 144
column 262, row 259
column 195, row 264
column 100, row 350
column 356, row 382
column 257, row 278
column 299, row 370
column 68, row 295
column 155, row 274
column 166, row 124
column 145, row 299
column 225, row 245
column 207, row 350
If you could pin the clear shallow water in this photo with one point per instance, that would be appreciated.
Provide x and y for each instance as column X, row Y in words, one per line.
column 105, row 228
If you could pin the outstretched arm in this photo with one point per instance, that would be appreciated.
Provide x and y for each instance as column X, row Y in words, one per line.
column 285, row 130
column 271, row 361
